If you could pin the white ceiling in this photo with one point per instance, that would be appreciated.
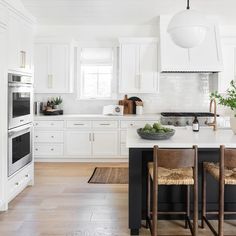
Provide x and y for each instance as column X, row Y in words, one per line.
column 129, row 12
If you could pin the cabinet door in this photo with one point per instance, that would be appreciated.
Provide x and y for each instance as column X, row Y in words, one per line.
column 229, row 67
column 13, row 42
column 26, row 46
column 60, row 67
column 129, row 65
column 78, row 143
column 148, row 67
column 41, row 59
column 105, row 143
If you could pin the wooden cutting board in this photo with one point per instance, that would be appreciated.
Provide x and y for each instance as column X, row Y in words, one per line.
column 128, row 105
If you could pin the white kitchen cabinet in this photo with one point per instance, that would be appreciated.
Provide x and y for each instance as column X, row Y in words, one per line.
column 229, row 64
column 3, row 15
column 50, row 149
column 20, row 44
column 54, row 67
column 138, row 65
column 105, row 143
column 78, row 143
column 207, row 57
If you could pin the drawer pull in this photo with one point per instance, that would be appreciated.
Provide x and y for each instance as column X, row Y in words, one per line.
column 105, row 124
column 77, row 124
column 36, row 136
column 52, row 149
column 17, row 183
column 36, row 124
column 27, row 176
column 36, row 149
column 52, row 136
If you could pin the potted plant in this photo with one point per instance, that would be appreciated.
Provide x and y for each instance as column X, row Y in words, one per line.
column 57, row 101
column 229, row 100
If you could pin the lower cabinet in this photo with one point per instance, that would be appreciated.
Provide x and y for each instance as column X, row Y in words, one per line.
column 82, row 139
column 78, row 143
column 105, row 143
column 97, row 143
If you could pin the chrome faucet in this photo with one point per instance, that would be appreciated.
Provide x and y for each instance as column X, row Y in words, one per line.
column 213, row 109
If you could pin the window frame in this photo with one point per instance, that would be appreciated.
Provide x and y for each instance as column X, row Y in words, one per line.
column 114, row 81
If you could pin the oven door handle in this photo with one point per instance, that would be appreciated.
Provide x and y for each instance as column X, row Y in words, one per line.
column 19, row 129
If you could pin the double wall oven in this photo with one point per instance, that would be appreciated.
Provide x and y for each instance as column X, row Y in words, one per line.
column 20, row 118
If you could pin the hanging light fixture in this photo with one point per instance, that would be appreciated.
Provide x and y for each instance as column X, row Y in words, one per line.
column 188, row 28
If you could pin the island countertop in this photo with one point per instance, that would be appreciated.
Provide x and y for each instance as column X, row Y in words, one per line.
column 185, row 138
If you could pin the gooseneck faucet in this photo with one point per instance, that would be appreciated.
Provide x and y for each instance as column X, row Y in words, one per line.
column 213, row 109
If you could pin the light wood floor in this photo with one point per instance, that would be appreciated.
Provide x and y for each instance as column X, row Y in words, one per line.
column 62, row 203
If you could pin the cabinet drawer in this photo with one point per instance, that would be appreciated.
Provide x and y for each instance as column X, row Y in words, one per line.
column 41, row 149
column 19, row 181
column 78, row 124
column 105, row 124
column 49, row 124
column 138, row 124
column 45, row 136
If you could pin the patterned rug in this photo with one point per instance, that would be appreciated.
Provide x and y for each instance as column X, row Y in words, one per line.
column 109, row 175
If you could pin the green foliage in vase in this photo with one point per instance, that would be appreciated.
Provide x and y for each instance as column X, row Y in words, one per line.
column 57, row 100
column 229, row 100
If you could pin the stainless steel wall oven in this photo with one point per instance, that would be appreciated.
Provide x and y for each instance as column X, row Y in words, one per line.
column 19, row 148
column 20, row 118
column 20, row 100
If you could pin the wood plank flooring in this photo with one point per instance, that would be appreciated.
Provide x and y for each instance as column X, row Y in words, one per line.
column 62, row 203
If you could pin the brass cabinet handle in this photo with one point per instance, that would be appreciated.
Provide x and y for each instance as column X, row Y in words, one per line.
column 23, row 59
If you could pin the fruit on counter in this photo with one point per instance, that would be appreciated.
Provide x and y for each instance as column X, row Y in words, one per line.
column 155, row 128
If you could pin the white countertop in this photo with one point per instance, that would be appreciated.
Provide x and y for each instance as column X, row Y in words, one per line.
column 186, row 138
column 98, row 117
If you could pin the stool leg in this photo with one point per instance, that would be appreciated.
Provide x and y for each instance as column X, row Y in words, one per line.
column 203, row 197
column 195, row 213
column 187, row 205
column 148, row 200
column 155, row 207
column 221, row 208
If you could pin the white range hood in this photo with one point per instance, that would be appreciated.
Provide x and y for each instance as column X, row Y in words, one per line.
column 205, row 58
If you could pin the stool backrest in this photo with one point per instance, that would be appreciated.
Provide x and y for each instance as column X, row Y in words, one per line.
column 175, row 158
column 228, row 157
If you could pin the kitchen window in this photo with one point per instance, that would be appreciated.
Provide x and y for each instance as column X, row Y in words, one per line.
column 97, row 73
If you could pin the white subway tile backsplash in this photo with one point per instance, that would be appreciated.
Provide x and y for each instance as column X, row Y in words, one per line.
column 178, row 92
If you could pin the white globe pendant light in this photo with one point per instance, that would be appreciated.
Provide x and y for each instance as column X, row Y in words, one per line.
column 188, row 28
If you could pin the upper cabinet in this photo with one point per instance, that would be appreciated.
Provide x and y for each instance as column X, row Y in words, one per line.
column 3, row 15
column 54, row 70
column 229, row 64
column 138, row 65
column 20, row 43
column 205, row 58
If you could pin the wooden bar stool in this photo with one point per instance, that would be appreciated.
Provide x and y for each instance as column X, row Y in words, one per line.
column 225, row 173
column 173, row 167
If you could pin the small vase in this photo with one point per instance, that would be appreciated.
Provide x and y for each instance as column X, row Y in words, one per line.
column 56, row 107
column 233, row 124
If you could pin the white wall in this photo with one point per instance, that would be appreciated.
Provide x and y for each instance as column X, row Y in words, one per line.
column 178, row 92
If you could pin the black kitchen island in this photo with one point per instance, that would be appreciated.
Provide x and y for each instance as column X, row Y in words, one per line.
column 173, row 198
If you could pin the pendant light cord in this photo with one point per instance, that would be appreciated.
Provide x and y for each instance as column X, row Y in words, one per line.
column 188, row 6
